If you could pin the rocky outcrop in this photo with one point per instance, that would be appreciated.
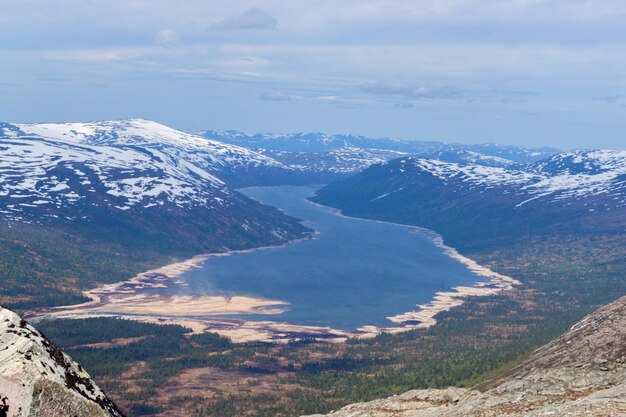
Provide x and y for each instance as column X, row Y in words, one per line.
column 38, row 379
column 581, row 373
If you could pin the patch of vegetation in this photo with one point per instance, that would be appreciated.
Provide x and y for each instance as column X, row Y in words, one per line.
column 71, row 333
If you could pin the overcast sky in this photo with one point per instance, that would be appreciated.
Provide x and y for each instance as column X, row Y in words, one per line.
column 526, row 72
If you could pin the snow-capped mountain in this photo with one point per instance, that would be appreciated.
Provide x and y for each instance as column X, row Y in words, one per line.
column 129, row 163
column 128, row 173
column 582, row 162
column 576, row 174
column 321, row 142
column 572, row 191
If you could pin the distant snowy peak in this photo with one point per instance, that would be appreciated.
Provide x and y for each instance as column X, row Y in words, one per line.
column 321, row 142
column 291, row 142
column 576, row 174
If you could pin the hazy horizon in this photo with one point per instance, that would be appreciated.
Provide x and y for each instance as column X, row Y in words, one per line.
column 527, row 73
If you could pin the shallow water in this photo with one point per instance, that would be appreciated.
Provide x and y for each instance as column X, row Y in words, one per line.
column 356, row 272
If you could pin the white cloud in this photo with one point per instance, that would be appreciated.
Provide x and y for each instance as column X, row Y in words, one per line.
column 608, row 98
column 95, row 55
column 275, row 96
column 410, row 92
column 167, row 37
column 338, row 99
column 253, row 18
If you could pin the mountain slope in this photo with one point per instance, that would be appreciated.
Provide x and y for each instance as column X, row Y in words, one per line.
column 581, row 373
column 39, row 380
column 571, row 192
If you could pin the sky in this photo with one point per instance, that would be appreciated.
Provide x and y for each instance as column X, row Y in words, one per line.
column 524, row 72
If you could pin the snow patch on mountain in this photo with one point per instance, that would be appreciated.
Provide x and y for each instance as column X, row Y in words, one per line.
column 577, row 174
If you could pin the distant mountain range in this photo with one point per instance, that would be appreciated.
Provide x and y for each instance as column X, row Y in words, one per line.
column 321, row 142
column 572, row 191
column 322, row 158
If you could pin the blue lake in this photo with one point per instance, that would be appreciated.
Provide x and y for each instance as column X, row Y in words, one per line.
column 356, row 272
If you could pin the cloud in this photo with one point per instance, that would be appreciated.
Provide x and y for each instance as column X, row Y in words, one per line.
column 436, row 92
column 385, row 88
column 608, row 98
column 275, row 96
column 167, row 37
column 95, row 55
column 250, row 19
column 337, row 99
column 410, row 92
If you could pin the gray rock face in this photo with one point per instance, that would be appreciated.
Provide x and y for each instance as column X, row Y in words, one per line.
column 581, row 373
column 38, row 379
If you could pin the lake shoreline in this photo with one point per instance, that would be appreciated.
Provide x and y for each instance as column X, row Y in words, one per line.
column 131, row 299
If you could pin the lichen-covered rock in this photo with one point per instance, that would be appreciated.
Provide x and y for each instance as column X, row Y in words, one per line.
column 581, row 373
column 38, row 380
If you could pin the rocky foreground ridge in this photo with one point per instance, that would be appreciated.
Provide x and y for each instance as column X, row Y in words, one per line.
column 38, row 379
column 581, row 373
